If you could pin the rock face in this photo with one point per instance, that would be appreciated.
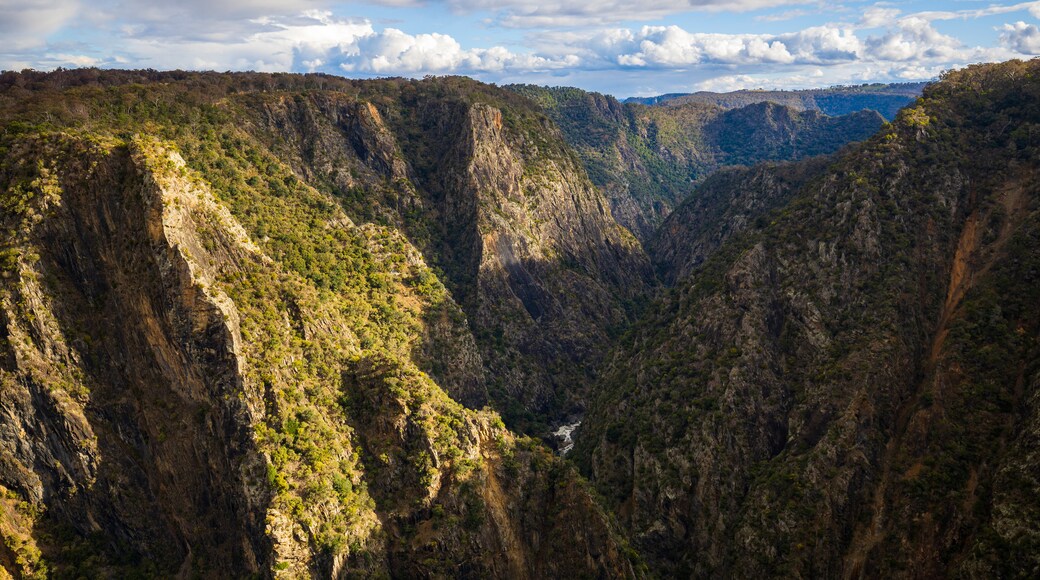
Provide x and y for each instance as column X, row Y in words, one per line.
column 844, row 385
column 647, row 160
column 93, row 241
column 485, row 187
column 208, row 368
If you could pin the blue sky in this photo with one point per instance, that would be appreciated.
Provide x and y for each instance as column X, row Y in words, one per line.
column 619, row 47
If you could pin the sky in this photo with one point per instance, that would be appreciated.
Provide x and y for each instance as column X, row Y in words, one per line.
column 620, row 47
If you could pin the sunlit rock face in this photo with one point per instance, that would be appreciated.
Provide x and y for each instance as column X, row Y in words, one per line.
column 249, row 332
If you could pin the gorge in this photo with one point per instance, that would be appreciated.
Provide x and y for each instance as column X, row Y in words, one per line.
column 281, row 325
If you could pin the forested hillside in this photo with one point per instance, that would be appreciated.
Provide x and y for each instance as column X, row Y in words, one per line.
column 843, row 381
column 240, row 313
column 648, row 159
column 279, row 325
column 886, row 99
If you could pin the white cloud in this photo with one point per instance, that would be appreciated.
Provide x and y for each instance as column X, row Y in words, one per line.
column 570, row 13
column 75, row 60
column 27, row 23
column 914, row 39
column 915, row 72
column 583, row 13
column 672, row 46
column 911, row 48
column 991, row 10
column 876, row 16
column 394, row 52
column 824, row 44
column 765, row 51
column 274, row 35
column 318, row 41
column 852, row 73
column 1021, row 37
column 727, row 83
column 263, row 44
column 209, row 10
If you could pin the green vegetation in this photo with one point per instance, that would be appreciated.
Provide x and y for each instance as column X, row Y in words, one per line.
column 840, row 100
column 857, row 333
column 289, row 293
column 289, row 277
column 648, row 159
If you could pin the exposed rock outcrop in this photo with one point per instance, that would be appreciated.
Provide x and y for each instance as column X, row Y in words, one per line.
column 209, row 368
column 484, row 185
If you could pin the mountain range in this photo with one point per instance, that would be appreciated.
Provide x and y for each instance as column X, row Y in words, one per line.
column 279, row 325
column 886, row 99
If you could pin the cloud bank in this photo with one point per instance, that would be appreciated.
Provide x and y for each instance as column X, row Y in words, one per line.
column 573, row 44
column 1021, row 37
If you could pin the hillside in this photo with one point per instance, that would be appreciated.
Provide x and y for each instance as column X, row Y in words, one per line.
column 843, row 381
column 282, row 326
column 239, row 313
column 886, row 99
column 646, row 160
column 727, row 204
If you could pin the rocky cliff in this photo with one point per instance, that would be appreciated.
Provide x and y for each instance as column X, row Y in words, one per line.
column 483, row 184
column 210, row 368
column 730, row 202
column 296, row 325
column 846, row 385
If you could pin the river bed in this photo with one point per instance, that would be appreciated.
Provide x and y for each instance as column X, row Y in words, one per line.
column 563, row 435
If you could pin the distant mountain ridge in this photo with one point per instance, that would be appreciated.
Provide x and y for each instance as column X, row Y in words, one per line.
column 648, row 159
column 886, row 99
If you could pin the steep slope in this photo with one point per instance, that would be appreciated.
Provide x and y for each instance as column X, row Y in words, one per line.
column 476, row 177
column 725, row 205
column 647, row 159
column 771, row 132
column 485, row 186
column 847, row 388
column 886, row 99
column 209, row 368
